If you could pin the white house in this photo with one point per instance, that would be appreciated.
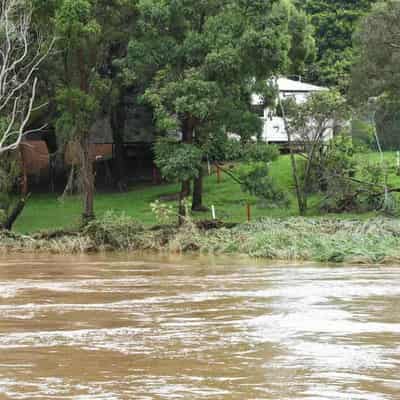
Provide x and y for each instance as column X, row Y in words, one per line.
column 274, row 128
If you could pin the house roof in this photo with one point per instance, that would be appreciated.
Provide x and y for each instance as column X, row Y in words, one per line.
column 289, row 85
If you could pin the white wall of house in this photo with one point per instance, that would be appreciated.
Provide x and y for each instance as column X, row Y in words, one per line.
column 274, row 128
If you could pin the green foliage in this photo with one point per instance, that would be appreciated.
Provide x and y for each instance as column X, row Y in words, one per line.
column 75, row 21
column 329, row 240
column 86, row 72
column 334, row 168
column 219, row 147
column 335, row 22
column 177, row 161
column 233, row 150
column 10, row 171
column 313, row 119
column 309, row 124
column 165, row 213
column 76, row 111
column 362, row 133
column 322, row 239
column 117, row 231
column 256, row 181
column 387, row 120
column 79, row 98
column 204, row 59
column 303, row 44
column 376, row 73
column 260, row 152
column 255, row 177
column 352, row 185
column 376, row 70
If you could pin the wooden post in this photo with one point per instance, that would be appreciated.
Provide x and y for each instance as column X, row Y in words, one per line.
column 218, row 174
column 248, row 209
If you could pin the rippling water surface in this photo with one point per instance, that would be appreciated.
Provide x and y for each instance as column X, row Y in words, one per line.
column 121, row 328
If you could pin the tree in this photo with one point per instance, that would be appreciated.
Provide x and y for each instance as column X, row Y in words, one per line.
column 92, row 42
column 375, row 72
column 254, row 174
column 177, row 162
column 376, row 69
column 335, row 22
column 309, row 125
column 205, row 58
column 22, row 52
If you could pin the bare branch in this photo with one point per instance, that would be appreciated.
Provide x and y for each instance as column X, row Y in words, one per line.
column 21, row 54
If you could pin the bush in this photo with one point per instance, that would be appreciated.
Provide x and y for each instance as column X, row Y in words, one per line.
column 117, row 231
column 257, row 182
column 9, row 174
column 362, row 133
column 254, row 174
column 232, row 150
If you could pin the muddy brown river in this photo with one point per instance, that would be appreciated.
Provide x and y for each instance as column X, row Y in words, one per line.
column 126, row 327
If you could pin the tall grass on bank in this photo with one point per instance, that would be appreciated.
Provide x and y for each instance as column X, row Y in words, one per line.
column 294, row 239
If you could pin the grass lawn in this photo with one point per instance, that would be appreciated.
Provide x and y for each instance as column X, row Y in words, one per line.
column 46, row 212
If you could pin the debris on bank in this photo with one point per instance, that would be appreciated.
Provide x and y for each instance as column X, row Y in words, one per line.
column 294, row 239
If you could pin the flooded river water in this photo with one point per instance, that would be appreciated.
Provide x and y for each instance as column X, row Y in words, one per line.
column 117, row 327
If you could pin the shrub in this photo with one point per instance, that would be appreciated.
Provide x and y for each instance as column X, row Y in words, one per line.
column 117, row 231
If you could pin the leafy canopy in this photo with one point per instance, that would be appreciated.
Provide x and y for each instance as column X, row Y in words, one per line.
column 204, row 58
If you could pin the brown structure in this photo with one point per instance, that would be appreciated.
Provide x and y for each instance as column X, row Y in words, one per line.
column 98, row 151
column 46, row 166
column 35, row 157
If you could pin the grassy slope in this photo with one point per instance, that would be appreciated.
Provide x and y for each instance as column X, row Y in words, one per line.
column 46, row 212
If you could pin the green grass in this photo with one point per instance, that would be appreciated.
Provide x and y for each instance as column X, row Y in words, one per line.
column 46, row 212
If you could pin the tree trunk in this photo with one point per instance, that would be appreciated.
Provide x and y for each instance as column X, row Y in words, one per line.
column 187, row 137
column 186, row 189
column 181, row 210
column 72, row 185
column 118, row 119
column 300, row 195
column 197, row 202
column 87, row 173
column 16, row 212
column 87, row 170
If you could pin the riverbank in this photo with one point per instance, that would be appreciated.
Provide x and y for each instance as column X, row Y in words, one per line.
column 330, row 240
